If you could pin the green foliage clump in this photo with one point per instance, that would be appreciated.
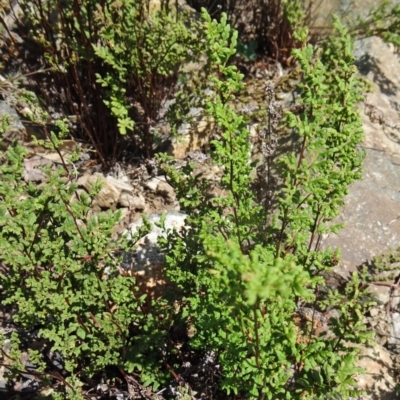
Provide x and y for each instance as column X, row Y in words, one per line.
column 62, row 276
column 244, row 271
column 143, row 53
column 266, row 27
column 113, row 63
column 5, row 123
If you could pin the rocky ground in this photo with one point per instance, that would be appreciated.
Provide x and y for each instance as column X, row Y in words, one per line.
column 371, row 212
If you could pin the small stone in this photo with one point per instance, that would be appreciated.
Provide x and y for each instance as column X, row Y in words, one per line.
column 137, row 203
column 107, row 197
column 166, row 190
column 395, row 329
column 374, row 312
column 152, row 184
column 147, row 262
column 121, row 184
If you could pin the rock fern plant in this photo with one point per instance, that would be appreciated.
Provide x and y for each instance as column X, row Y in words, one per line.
column 251, row 283
column 113, row 64
column 246, row 273
column 61, row 277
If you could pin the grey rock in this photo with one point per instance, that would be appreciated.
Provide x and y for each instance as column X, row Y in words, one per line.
column 371, row 212
column 152, row 184
column 166, row 190
column 395, row 329
column 120, row 184
column 13, row 15
column 16, row 130
column 134, row 202
column 113, row 193
column 3, row 369
column 148, row 254
column 108, row 196
column 31, row 171
column 378, row 363
column 146, row 263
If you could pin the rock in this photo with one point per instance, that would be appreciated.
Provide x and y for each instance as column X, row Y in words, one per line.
column 13, row 15
column 31, row 172
column 345, row 9
column 160, row 187
column 152, row 184
column 65, row 151
column 39, row 156
column 371, row 207
column 166, row 191
column 378, row 63
column 380, row 293
column 28, row 380
column 371, row 212
column 395, row 329
column 3, row 368
column 120, row 185
column 147, row 262
column 115, row 192
column 378, row 382
column 192, row 136
column 137, row 203
column 108, row 196
column 374, row 312
column 16, row 130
